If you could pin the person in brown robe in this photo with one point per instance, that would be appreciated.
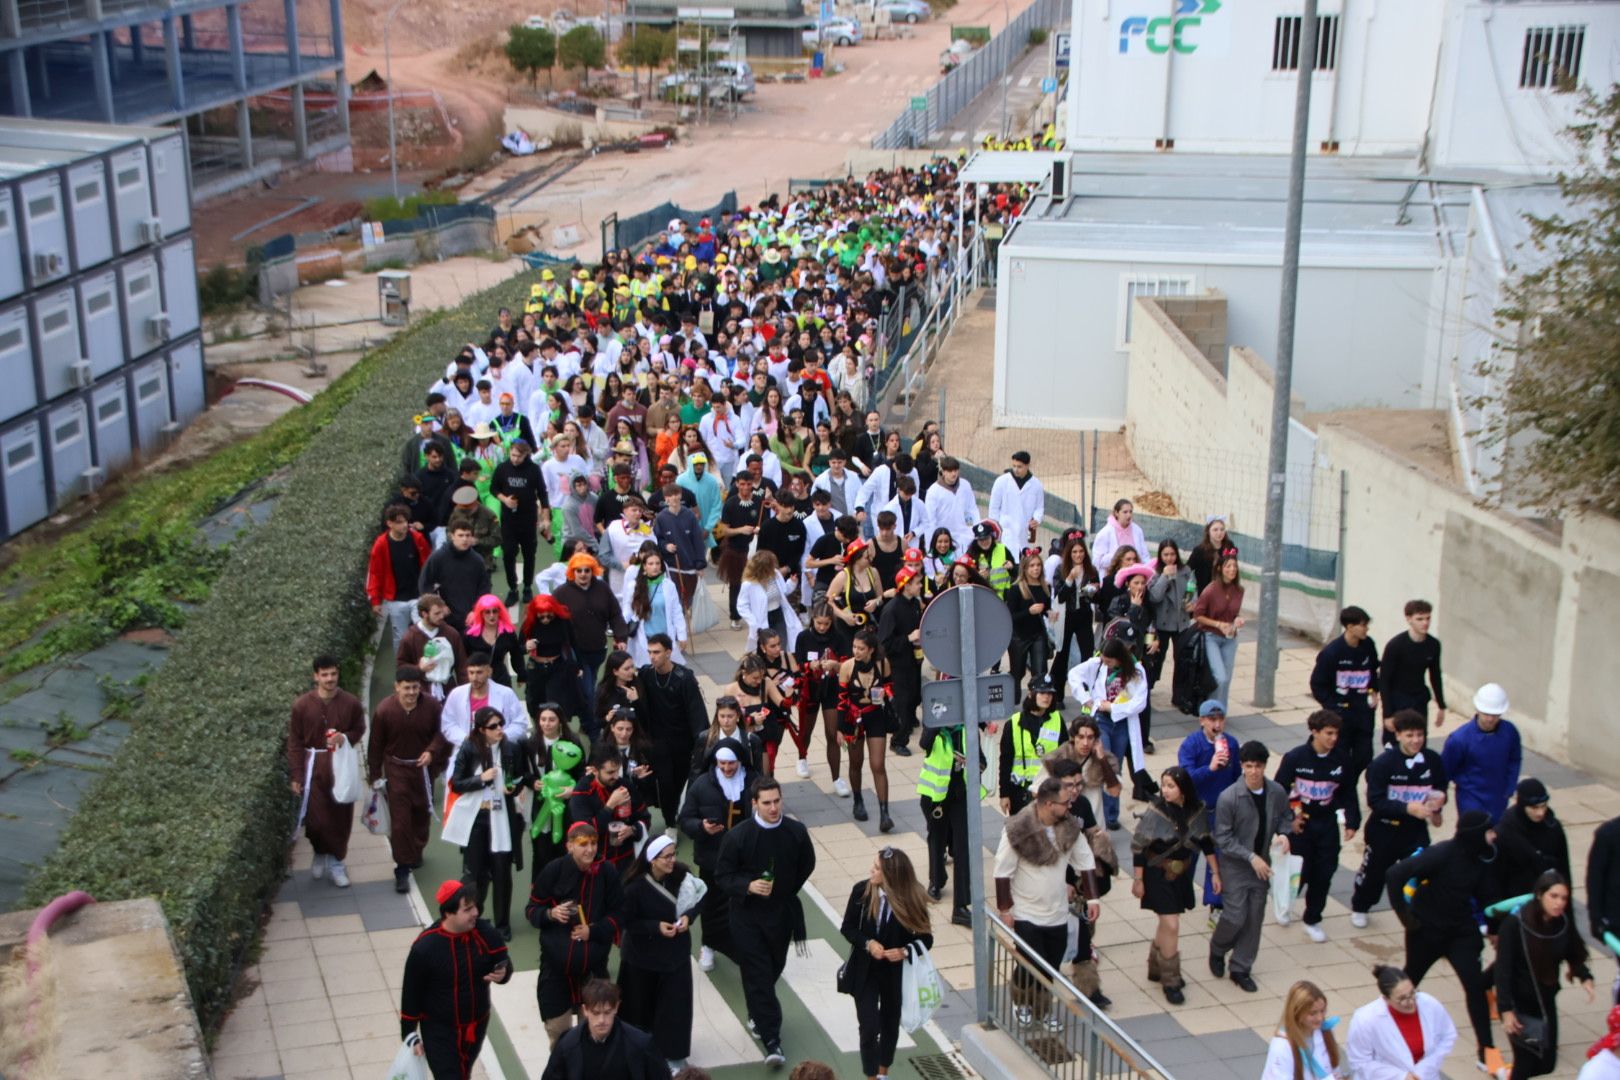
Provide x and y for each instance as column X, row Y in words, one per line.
column 432, row 611
column 326, row 821
column 407, row 750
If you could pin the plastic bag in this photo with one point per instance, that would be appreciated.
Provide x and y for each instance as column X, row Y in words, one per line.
column 347, row 786
column 375, row 816
column 407, row 1064
column 704, row 613
column 1285, row 875
column 921, row 992
column 458, row 822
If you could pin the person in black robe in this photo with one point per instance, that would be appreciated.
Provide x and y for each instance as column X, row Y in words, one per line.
column 575, row 903
column 610, row 804
column 899, row 632
column 716, row 801
column 444, row 997
column 655, row 972
column 604, row 1046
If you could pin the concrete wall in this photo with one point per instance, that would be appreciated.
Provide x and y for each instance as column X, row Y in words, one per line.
column 544, row 124
column 1514, row 604
column 1363, row 338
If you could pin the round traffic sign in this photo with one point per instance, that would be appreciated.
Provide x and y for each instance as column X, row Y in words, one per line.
column 942, row 628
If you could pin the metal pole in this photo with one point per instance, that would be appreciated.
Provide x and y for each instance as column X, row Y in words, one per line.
column 1265, row 668
column 1079, row 506
column 388, row 74
column 1344, row 534
column 1091, row 507
column 1006, row 72
column 975, row 826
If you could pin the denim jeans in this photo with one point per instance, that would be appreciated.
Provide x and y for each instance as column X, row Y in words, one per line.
column 1116, row 739
column 397, row 614
column 1222, row 654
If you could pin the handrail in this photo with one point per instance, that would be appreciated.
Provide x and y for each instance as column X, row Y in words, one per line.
column 902, row 385
column 1086, row 1044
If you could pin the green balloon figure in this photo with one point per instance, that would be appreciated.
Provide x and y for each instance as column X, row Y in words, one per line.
column 553, row 812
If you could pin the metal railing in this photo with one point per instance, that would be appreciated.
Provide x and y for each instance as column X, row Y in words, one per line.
column 951, row 94
column 903, row 354
column 1053, row 1022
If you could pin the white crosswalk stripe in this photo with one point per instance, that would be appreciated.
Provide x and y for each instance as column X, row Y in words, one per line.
column 1025, row 81
column 814, row 981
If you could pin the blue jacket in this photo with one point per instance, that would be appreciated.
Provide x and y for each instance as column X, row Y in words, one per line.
column 1195, row 754
column 1484, row 766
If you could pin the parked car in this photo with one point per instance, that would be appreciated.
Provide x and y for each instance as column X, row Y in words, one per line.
column 835, row 31
column 906, row 11
column 739, row 74
column 733, row 80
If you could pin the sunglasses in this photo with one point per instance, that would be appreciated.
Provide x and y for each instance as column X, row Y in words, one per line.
column 490, row 727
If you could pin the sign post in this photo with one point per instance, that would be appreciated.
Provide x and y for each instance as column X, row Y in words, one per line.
column 966, row 629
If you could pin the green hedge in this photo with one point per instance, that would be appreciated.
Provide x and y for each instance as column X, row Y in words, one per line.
column 195, row 810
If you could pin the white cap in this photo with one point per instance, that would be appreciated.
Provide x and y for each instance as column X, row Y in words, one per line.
column 725, row 753
column 1491, row 700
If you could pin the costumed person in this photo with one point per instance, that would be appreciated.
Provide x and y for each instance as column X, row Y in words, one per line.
column 942, row 789
column 1320, row 779
column 819, row 662
column 551, row 666
column 1250, row 816
column 865, row 720
column 1112, row 688
column 1403, row 1034
column 323, row 721
column 1603, row 1056
column 887, row 914
column 764, row 863
column 608, row 801
column 575, row 902
column 1303, row 1046
column 672, row 712
column 556, row 765
column 489, row 770
column 604, row 1045
column 899, row 632
column 1030, row 734
column 1172, row 831
column 661, row 901
column 403, row 755
column 716, row 801
column 444, row 996
column 1531, row 944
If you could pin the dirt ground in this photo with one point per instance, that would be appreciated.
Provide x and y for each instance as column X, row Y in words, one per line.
column 1421, row 436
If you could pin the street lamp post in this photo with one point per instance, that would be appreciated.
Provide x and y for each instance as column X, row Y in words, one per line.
column 388, row 74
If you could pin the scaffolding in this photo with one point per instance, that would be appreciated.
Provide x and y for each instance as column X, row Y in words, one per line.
column 704, row 36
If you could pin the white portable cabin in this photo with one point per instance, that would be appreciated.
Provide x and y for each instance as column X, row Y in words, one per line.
column 145, row 322
column 138, row 160
column 23, row 494
column 179, row 262
column 110, row 424
column 42, row 221
column 188, row 384
column 62, row 368
column 89, row 217
column 20, row 392
column 99, row 318
column 171, row 181
column 69, row 457
column 11, row 261
column 149, row 399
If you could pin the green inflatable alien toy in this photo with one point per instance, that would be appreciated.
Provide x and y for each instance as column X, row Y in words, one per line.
column 554, row 786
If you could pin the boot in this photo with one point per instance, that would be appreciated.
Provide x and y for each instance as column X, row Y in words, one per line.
column 1143, row 789
column 1170, row 977
column 885, row 822
column 1153, row 963
column 1087, row 979
column 858, row 810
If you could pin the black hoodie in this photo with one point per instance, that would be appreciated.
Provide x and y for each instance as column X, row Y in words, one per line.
column 1453, row 878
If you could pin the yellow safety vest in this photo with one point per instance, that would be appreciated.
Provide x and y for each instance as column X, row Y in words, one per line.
column 1027, row 755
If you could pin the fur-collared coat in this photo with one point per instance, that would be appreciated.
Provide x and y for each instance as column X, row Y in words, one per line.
column 1030, row 866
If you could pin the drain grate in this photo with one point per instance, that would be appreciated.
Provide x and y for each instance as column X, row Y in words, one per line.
column 939, row 1067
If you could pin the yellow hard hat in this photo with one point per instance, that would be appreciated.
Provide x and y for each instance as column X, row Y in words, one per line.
column 584, row 275
column 691, row 262
column 546, row 275
column 720, row 258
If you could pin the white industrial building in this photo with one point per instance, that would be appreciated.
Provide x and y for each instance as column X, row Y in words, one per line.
column 100, row 349
column 1433, row 126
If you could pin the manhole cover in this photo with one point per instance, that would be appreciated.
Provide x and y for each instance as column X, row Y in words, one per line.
column 938, row 1067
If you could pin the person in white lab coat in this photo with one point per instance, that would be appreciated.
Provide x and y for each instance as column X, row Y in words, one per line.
column 951, row 503
column 1303, row 1046
column 1119, row 531
column 1018, row 503
column 763, row 601
column 1404, row 1033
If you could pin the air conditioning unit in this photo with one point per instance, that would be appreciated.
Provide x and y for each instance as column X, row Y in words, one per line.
column 91, row 479
column 157, row 328
column 79, row 374
column 149, row 231
column 49, row 264
column 169, row 430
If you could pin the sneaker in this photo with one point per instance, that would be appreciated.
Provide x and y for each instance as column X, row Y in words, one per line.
column 1147, row 747
column 528, row 594
column 936, row 893
column 841, row 788
column 1245, row 982
column 706, row 958
column 340, row 874
column 675, row 1065
column 505, row 932
column 774, row 1056
column 1101, row 1000
column 317, row 869
column 1054, row 1019
column 1025, row 1015
column 1214, row 918
column 751, row 1029
column 736, row 624
column 1285, row 918
column 1491, row 1064
column 1358, row 919
column 1315, row 932
column 803, row 767
column 1114, row 826
column 1217, row 965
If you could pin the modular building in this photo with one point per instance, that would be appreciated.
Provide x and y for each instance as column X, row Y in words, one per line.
column 100, row 350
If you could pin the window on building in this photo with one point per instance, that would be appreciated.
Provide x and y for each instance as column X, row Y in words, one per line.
column 1288, row 37
column 1552, row 58
column 1133, row 285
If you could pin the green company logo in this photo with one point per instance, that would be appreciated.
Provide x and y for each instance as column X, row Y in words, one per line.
column 1167, row 32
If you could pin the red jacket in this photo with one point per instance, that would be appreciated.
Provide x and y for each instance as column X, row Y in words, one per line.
column 380, row 568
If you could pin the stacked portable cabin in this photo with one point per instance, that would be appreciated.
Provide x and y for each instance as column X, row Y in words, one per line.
column 100, row 343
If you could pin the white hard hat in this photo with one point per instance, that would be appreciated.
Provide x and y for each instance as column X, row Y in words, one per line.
column 1491, row 700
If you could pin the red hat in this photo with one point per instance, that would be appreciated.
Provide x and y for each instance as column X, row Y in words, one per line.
column 446, row 891
column 580, row 829
column 914, row 555
column 903, row 578
column 853, row 550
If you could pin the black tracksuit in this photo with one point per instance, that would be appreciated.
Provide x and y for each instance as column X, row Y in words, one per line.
column 1342, row 680
column 1394, row 781
column 898, row 618
column 1320, row 785
column 525, row 484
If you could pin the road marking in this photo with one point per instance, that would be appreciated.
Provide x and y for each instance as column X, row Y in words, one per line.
column 813, row 980
column 958, row 136
column 1025, row 81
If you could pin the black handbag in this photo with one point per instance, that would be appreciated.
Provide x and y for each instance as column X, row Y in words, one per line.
column 1534, row 1034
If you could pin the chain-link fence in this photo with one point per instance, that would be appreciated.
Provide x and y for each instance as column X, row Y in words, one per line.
column 630, row 232
column 951, row 94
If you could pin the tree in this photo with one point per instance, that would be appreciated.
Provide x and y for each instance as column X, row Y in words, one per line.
column 645, row 47
column 529, row 49
column 582, row 47
column 1560, row 365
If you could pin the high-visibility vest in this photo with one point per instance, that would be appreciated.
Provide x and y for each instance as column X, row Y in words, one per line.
column 998, row 567
column 935, row 779
column 1026, row 754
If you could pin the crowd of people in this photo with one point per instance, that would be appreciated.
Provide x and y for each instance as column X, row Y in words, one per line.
column 700, row 413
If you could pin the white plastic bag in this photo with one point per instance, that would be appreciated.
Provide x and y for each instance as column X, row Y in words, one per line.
column 458, row 822
column 704, row 613
column 375, row 816
column 921, row 992
column 1285, row 874
column 347, row 785
column 407, row 1064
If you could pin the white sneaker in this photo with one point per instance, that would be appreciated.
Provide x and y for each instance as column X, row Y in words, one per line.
column 317, row 869
column 1285, row 918
column 841, row 788
column 804, row 767
column 1358, row 919
column 1316, row 933
column 340, row 874
column 706, row 958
